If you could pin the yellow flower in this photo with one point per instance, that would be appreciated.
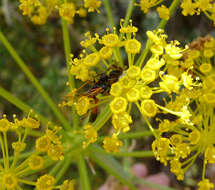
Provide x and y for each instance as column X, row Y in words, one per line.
column 67, row 11
column 92, row 59
column 112, row 144
column 110, row 40
column 163, row 12
column 121, row 122
column 68, row 185
column 132, row 46
column 118, row 105
column 82, row 105
column 35, row 162
column 133, row 95
column 9, row 181
column 148, row 108
column 105, row 52
column 205, row 185
column 205, row 68
column 148, row 75
column 45, row 182
column 90, row 135
column 92, row 5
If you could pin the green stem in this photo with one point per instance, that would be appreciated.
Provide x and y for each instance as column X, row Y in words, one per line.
column 135, row 135
column 56, row 168
column 162, row 24
column 137, row 154
column 112, row 24
column 63, row 169
column 19, row 104
column 67, row 49
column 129, row 12
column 103, row 117
column 150, row 184
column 110, row 165
column 34, row 81
column 109, row 14
column 84, row 180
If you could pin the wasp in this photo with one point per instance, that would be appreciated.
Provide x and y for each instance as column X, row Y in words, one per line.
column 101, row 85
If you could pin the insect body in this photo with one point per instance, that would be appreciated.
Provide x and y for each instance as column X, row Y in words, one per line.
column 103, row 84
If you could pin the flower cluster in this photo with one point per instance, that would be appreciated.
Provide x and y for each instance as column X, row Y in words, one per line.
column 13, row 174
column 38, row 11
column 190, row 7
column 185, row 142
column 136, row 85
column 162, row 10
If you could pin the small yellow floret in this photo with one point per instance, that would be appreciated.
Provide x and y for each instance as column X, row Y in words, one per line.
column 148, row 108
column 205, row 68
column 82, row 105
column 68, row 185
column 116, row 89
column 110, row 40
column 9, row 181
column 132, row 46
column 133, row 72
column 118, row 105
column 133, row 95
column 205, row 185
column 121, row 122
column 35, row 162
column 92, row 5
column 209, row 98
column 67, row 11
column 127, row 82
column 45, row 182
column 163, row 12
column 43, row 143
column 112, row 144
column 145, row 92
column 148, row 75
column 106, row 52
column 92, row 59
column 90, row 135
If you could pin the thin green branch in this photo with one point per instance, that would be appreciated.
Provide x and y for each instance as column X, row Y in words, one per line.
column 103, row 117
column 150, row 184
column 84, row 179
column 112, row 24
column 109, row 14
column 129, row 12
column 162, row 24
column 34, row 81
column 56, row 168
column 136, row 154
column 135, row 135
column 110, row 165
column 19, row 104
column 67, row 49
column 63, row 169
